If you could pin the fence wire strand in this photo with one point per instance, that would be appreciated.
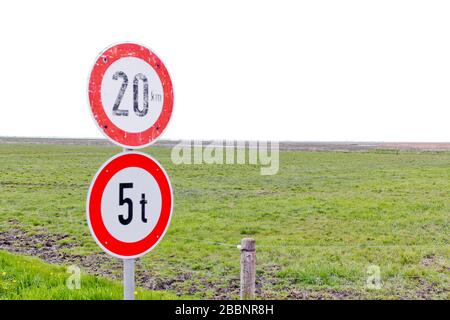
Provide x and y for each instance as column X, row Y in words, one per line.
column 287, row 246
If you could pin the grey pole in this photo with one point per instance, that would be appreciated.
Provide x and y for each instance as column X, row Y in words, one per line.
column 128, row 279
column 128, row 271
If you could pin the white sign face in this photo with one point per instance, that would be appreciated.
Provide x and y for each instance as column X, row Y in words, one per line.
column 132, row 94
column 131, row 201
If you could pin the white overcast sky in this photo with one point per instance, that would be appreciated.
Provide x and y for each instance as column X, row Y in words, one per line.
column 274, row 70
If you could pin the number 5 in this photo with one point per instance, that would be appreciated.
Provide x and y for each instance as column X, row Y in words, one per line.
column 128, row 201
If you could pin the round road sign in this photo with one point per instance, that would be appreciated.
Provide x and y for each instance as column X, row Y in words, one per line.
column 129, row 205
column 130, row 94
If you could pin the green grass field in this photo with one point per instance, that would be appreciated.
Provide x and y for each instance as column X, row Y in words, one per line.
column 319, row 224
column 31, row 279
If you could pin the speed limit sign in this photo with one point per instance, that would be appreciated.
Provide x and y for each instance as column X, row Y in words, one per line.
column 129, row 205
column 130, row 95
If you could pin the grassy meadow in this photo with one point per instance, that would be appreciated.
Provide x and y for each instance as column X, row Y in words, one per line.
column 31, row 279
column 319, row 224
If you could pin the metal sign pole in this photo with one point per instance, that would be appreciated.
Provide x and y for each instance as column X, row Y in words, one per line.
column 128, row 279
column 131, row 132
column 128, row 271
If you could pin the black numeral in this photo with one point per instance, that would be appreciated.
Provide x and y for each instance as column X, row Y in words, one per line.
column 128, row 201
column 144, row 110
column 116, row 110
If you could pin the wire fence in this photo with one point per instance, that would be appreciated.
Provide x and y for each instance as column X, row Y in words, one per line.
column 269, row 278
column 289, row 245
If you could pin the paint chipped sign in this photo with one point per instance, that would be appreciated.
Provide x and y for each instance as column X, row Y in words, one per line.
column 130, row 95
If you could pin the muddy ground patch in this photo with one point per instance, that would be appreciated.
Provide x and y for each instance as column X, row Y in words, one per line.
column 50, row 248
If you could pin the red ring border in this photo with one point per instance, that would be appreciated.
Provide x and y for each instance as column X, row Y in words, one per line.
column 98, row 229
column 117, row 135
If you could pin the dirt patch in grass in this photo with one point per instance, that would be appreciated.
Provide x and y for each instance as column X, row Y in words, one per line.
column 50, row 248
column 321, row 295
column 429, row 289
column 435, row 261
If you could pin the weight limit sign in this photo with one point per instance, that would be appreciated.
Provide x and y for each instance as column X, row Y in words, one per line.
column 131, row 95
column 129, row 205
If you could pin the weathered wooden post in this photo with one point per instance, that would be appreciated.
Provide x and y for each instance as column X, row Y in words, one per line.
column 248, row 268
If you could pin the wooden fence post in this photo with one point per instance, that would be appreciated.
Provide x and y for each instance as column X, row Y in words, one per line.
column 248, row 268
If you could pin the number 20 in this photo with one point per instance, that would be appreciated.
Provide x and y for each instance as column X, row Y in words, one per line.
column 120, row 112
